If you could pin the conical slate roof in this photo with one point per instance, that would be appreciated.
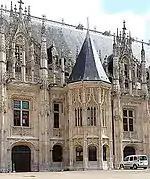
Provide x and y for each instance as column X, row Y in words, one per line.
column 88, row 66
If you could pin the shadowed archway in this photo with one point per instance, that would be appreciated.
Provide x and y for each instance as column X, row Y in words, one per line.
column 128, row 151
column 21, row 158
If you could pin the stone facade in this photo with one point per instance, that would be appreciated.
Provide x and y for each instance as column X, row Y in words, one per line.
column 58, row 125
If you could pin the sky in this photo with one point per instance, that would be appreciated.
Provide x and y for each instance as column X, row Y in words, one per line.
column 103, row 14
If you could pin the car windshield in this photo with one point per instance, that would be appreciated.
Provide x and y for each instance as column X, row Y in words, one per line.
column 143, row 158
column 126, row 159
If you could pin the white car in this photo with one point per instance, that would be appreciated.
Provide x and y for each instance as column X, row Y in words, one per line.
column 134, row 162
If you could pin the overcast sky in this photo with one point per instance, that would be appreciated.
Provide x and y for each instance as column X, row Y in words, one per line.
column 103, row 14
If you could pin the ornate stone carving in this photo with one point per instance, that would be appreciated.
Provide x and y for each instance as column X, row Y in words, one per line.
column 21, row 131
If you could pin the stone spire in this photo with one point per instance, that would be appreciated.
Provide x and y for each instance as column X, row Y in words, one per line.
column 62, row 68
column 29, row 14
column 54, row 59
column 2, row 46
column 116, row 63
column 88, row 66
column 142, row 53
column 117, row 37
column 1, row 18
column 130, row 42
column 28, row 20
column 143, row 66
column 114, row 45
column 11, row 10
column 43, row 60
column 124, row 33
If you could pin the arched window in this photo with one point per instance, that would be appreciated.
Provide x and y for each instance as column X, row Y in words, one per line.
column 79, row 153
column 92, row 153
column 91, row 116
column 104, row 153
column 129, row 151
column 57, row 153
column 21, row 153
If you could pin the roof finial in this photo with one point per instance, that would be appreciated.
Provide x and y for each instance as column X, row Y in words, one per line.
column 28, row 10
column 11, row 7
column 87, row 25
column 1, row 19
column 20, row 7
column 25, row 10
column 15, row 8
column 1, row 13
column 142, row 45
column 124, row 25
column 114, row 39
column 43, row 30
column 117, row 32
column 124, row 31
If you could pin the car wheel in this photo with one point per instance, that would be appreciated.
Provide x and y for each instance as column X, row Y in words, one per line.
column 145, row 167
column 121, row 166
column 134, row 167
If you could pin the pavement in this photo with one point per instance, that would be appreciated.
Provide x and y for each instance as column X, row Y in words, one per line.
column 97, row 174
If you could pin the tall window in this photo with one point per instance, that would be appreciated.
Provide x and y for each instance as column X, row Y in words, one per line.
column 128, row 116
column 56, row 115
column 78, row 116
column 92, row 153
column 103, row 118
column 126, row 75
column 18, row 52
column 91, row 116
column 21, row 113
column 79, row 153
column 104, row 153
column 18, row 55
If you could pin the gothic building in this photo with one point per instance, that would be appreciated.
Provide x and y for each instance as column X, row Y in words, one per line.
column 70, row 98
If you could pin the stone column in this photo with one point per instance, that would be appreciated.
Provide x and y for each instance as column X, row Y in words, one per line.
column 35, row 166
column 62, row 72
column 71, row 155
column 32, row 63
column 23, row 68
column 9, row 161
column 99, row 123
column 85, row 153
column 13, row 60
column 43, row 128
column 135, row 73
column 123, row 77
column 111, row 154
column 54, row 70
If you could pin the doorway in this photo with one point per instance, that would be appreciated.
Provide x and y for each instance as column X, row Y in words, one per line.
column 21, row 158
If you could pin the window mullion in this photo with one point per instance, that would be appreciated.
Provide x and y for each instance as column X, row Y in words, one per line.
column 21, row 114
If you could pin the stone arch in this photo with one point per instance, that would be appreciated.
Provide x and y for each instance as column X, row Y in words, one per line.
column 92, row 153
column 129, row 150
column 105, row 150
column 21, row 153
column 22, row 142
column 57, row 153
